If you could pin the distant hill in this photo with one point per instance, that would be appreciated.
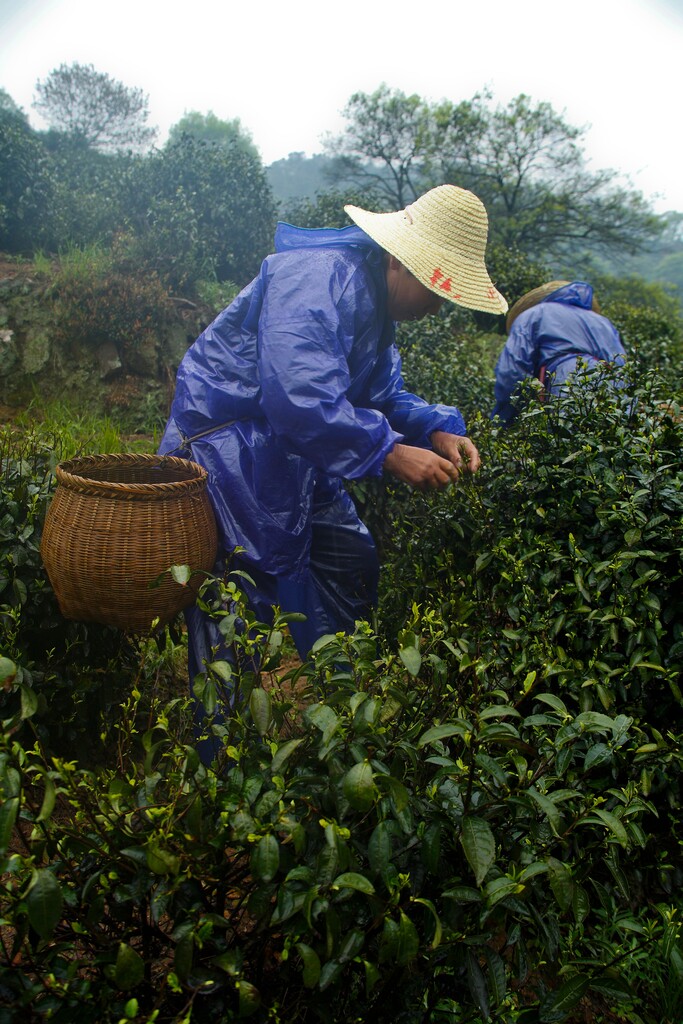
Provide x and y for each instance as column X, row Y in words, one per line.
column 662, row 263
column 298, row 176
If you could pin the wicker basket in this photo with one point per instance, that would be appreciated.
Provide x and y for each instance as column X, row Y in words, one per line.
column 115, row 524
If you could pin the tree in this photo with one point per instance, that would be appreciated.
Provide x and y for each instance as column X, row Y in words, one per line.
column 89, row 201
column 524, row 161
column 297, row 176
column 385, row 145
column 89, row 105
column 326, row 210
column 527, row 165
column 213, row 131
column 27, row 185
column 8, row 104
column 204, row 207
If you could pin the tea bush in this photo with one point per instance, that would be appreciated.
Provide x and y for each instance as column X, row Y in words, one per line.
column 406, row 842
column 95, row 301
column 652, row 337
column 448, row 364
column 560, row 565
column 574, row 516
column 468, row 813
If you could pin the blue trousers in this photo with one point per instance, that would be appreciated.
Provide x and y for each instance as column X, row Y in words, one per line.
column 340, row 588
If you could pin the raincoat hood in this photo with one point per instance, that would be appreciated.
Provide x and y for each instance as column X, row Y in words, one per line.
column 578, row 293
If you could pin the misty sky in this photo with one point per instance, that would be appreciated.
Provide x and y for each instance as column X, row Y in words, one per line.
column 286, row 69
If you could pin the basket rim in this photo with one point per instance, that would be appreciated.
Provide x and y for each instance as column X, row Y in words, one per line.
column 72, row 474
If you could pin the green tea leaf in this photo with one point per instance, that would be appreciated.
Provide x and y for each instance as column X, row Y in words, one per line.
column 249, row 998
column 352, row 880
column 379, row 847
column 29, row 701
column 130, row 968
column 260, row 706
column 44, row 902
column 411, row 658
column 477, row 984
column 311, row 964
column 282, row 754
column 181, row 574
column 9, row 808
column 557, row 1005
column 265, row 858
column 612, row 987
column 358, row 786
column 162, row 861
column 8, row 673
column 561, row 883
column 442, row 732
column 49, row 800
column 408, row 940
column 612, row 822
column 479, row 845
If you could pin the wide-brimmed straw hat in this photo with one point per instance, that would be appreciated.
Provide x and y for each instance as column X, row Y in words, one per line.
column 441, row 239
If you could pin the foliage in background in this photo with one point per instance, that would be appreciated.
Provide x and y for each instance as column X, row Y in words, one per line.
column 514, row 272
column 653, row 339
column 221, row 198
column 326, row 208
column 27, row 187
column 196, row 210
column 202, row 208
column 637, row 292
column 664, row 262
column 89, row 199
column 523, row 160
column 298, row 176
column 95, row 301
column 214, row 131
column 90, row 106
column 386, row 145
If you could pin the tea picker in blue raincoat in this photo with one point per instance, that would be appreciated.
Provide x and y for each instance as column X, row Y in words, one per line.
column 552, row 330
column 297, row 386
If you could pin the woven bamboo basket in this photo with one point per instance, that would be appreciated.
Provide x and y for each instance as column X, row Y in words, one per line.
column 118, row 522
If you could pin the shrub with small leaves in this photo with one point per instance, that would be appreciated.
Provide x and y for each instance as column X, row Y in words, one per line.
column 404, row 838
column 110, row 306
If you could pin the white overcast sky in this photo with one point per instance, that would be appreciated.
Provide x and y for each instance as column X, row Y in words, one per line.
column 286, row 68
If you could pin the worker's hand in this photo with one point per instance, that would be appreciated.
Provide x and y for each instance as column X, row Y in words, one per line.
column 457, row 449
column 420, row 467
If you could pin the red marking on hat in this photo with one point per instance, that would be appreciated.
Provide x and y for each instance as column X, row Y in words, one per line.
column 444, row 286
column 491, row 292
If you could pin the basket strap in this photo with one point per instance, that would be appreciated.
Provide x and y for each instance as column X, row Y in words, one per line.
column 187, row 441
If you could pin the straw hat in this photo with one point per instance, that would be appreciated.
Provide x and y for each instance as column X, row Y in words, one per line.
column 441, row 239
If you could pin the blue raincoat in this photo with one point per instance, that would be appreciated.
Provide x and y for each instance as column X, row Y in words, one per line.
column 294, row 387
column 548, row 340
